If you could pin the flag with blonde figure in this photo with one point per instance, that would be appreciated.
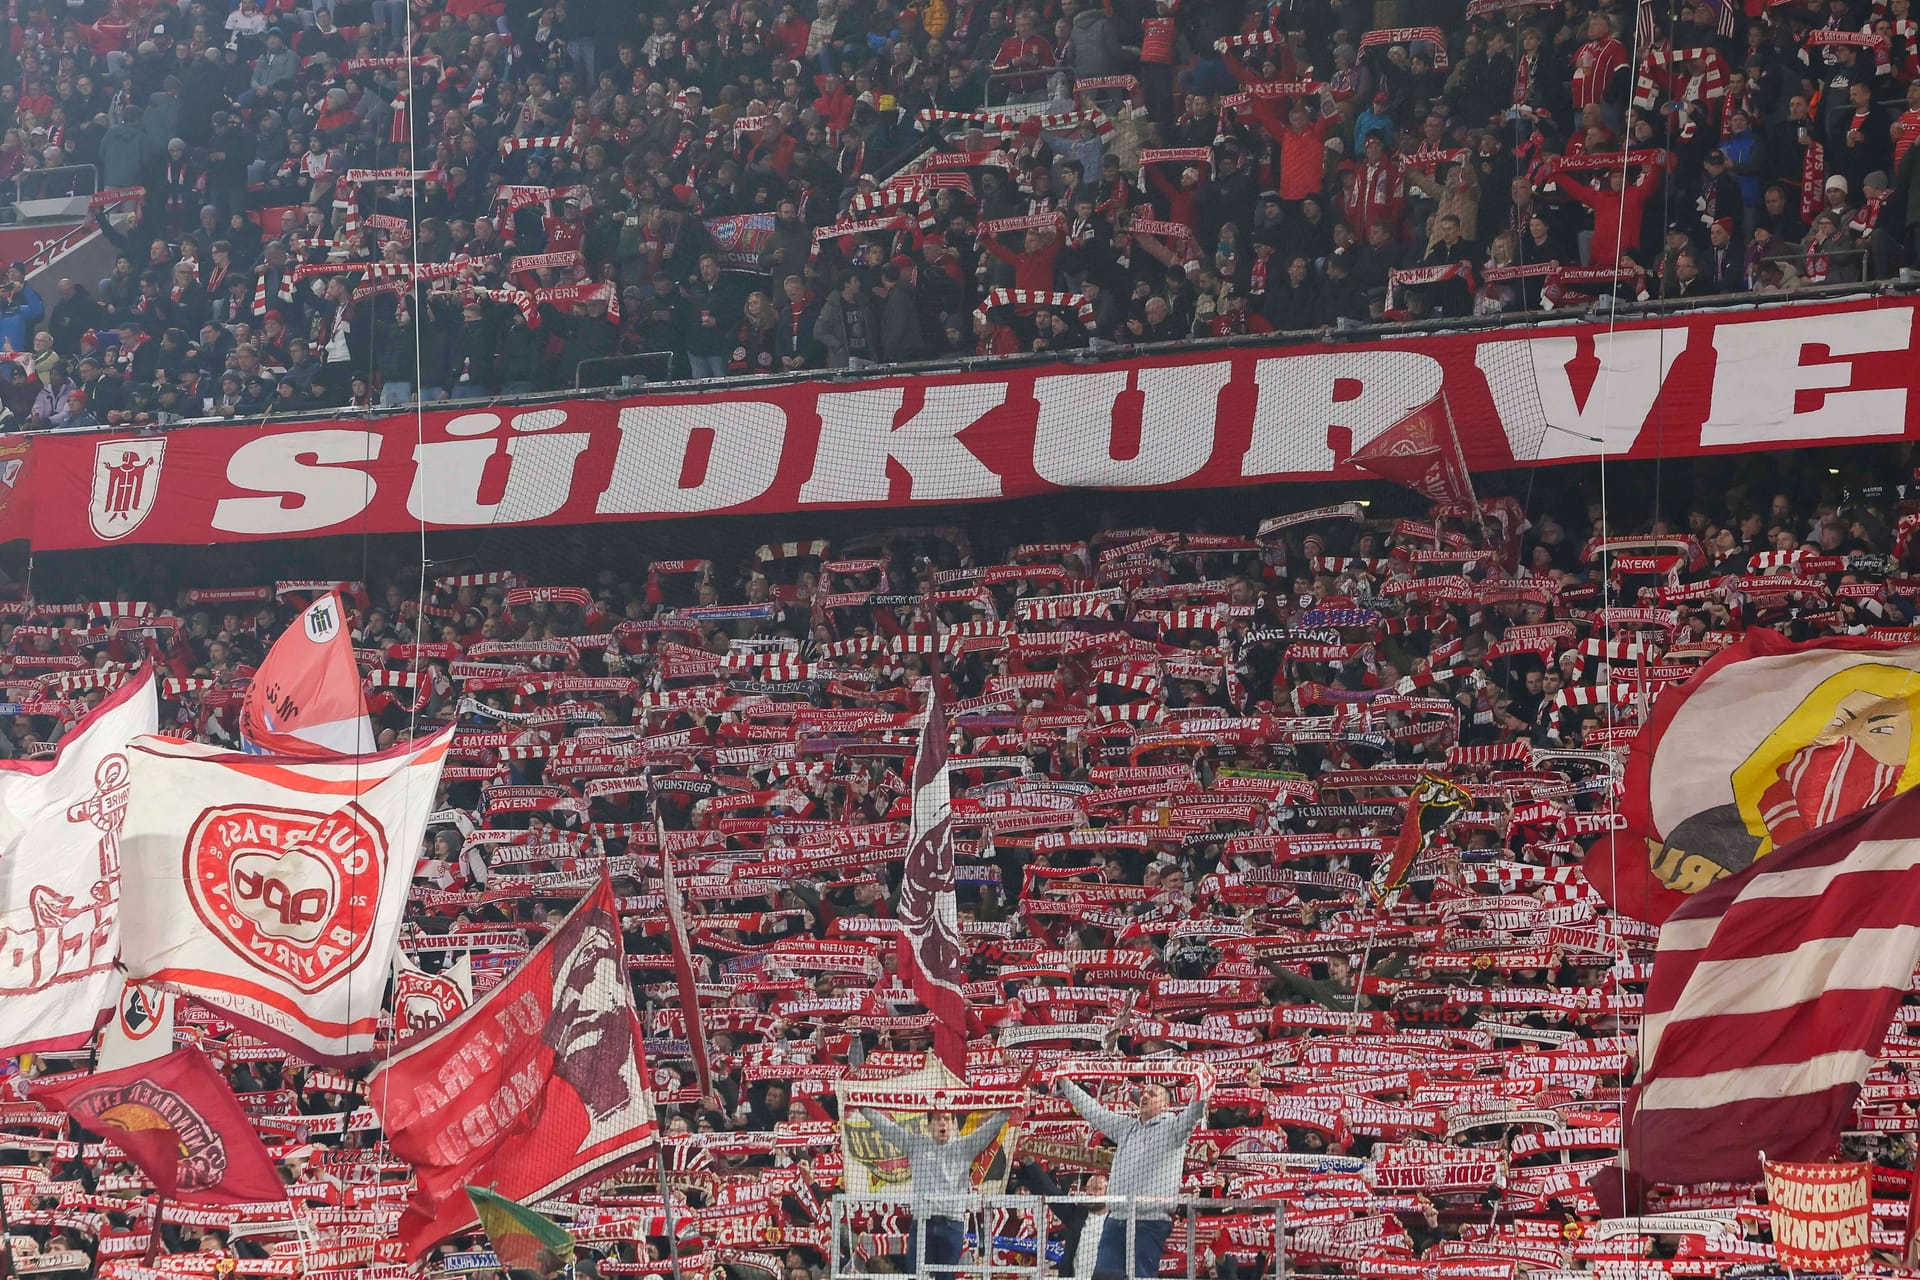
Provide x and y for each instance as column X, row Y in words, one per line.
column 1769, row 741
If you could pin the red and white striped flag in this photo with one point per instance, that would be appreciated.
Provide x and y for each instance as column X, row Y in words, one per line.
column 932, row 955
column 1771, row 993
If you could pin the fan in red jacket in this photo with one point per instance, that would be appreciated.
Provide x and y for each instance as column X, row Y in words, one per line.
column 1234, row 318
column 1264, row 109
column 997, row 338
column 1024, row 51
column 834, row 104
column 1616, row 210
column 1033, row 267
column 1183, row 201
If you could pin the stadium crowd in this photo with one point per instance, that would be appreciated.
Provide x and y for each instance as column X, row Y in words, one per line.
column 367, row 201
column 1180, row 758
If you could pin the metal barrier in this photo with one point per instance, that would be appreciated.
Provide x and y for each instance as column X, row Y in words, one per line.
column 624, row 372
column 1267, row 343
column 55, row 193
column 1004, row 88
column 983, row 1216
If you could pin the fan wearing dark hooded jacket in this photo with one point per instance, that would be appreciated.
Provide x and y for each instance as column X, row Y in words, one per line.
column 1294, row 303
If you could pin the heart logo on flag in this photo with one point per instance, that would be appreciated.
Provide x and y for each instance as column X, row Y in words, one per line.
column 293, row 892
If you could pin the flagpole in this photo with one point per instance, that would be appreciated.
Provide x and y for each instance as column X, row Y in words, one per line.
column 666, row 1205
column 1460, row 458
column 660, row 1139
column 153, row 1237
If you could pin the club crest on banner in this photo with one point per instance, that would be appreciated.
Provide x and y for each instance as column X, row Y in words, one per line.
column 423, row 1001
column 126, row 485
column 143, row 1105
column 322, row 620
column 292, row 892
column 279, row 903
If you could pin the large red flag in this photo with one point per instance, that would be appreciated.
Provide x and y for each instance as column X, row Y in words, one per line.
column 1771, row 993
column 931, row 954
column 1421, row 453
column 538, row 1087
column 176, row 1118
column 1769, row 741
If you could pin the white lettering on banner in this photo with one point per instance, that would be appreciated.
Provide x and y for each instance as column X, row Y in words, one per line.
column 308, row 465
column 1611, row 405
column 858, row 439
column 1758, row 379
column 727, row 452
column 1768, row 369
column 447, row 478
column 1070, row 450
column 1302, row 398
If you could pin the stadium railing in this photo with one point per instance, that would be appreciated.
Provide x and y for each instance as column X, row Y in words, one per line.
column 65, row 192
column 1028, row 1216
column 1349, row 335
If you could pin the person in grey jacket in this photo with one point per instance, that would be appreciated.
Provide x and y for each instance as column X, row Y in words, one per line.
column 1150, row 1152
column 1094, row 47
column 124, row 152
column 849, row 327
column 275, row 63
column 940, row 1167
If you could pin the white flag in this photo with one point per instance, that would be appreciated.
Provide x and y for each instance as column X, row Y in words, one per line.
column 140, row 1030
column 272, row 888
column 423, row 1001
column 60, row 826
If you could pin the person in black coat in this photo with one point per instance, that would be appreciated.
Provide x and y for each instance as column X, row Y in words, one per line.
column 519, row 363
column 1723, row 261
column 585, row 337
column 1449, row 297
column 1294, row 303
column 1341, row 297
column 901, row 337
column 1860, row 141
column 1227, row 197
column 228, row 153
column 439, row 320
column 74, row 312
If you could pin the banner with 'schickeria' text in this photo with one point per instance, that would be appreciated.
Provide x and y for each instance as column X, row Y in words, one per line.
column 1258, row 414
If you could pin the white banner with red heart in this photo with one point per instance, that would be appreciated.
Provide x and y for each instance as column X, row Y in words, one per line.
column 273, row 888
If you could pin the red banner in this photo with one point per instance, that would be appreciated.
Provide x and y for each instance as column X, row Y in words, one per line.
column 1820, row 1214
column 1767, row 379
column 538, row 1087
column 177, row 1119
